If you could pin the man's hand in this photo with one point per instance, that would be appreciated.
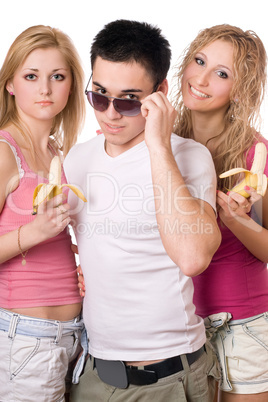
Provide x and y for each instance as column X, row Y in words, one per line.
column 81, row 283
column 160, row 116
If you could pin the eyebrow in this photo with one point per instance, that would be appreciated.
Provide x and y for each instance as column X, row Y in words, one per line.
column 223, row 66
column 36, row 69
column 132, row 90
column 219, row 65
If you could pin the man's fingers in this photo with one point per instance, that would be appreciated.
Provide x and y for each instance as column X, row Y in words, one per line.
column 75, row 250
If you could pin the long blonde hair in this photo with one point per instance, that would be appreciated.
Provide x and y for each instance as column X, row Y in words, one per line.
column 243, row 115
column 69, row 122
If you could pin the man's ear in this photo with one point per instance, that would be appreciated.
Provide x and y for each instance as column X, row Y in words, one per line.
column 163, row 87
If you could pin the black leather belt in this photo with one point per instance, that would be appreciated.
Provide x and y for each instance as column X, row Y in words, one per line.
column 117, row 374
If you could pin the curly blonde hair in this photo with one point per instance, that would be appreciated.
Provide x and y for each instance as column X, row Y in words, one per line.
column 69, row 122
column 242, row 118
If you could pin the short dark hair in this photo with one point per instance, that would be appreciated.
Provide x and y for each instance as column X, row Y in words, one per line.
column 126, row 41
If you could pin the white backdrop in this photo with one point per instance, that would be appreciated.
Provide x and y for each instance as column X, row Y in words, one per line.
column 179, row 21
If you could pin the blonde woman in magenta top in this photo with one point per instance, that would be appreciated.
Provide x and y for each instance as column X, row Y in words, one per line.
column 221, row 82
column 41, row 112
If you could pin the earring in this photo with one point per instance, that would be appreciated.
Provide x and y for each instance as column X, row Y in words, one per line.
column 11, row 93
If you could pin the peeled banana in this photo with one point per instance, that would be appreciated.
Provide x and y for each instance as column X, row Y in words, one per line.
column 254, row 177
column 53, row 187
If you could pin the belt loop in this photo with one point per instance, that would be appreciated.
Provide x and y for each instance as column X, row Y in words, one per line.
column 13, row 326
column 75, row 335
column 76, row 342
column 74, row 320
column 77, row 319
column 59, row 332
column 92, row 363
column 227, row 328
column 185, row 363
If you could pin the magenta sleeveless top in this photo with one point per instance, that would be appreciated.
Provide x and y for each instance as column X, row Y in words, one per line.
column 235, row 281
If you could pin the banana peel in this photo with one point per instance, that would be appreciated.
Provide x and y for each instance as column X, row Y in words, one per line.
column 254, row 177
column 53, row 187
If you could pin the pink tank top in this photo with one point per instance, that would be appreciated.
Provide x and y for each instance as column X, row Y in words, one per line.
column 235, row 282
column 49, row 277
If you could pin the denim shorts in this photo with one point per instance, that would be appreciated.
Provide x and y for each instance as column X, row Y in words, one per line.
column 35, row 355
column 242, row 350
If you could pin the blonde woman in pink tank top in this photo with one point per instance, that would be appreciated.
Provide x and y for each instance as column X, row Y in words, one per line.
column 220, row 86
column 41, row 94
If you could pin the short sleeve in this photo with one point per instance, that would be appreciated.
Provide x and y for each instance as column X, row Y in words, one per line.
column 197, row 168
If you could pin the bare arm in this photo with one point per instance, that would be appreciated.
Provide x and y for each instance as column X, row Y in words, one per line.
column 191, row 250
column 49, row 221
column 253, row 235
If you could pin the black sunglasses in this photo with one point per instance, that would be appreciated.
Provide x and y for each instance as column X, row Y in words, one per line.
column 126, row 107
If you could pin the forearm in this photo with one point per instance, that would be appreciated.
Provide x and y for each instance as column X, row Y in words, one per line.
column 51, row 219
column 13, row 243
column 253, row 236
column 188, row 227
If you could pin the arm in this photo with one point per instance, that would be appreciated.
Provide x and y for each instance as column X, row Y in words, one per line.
column 80, row 275
column 49, row 221
column 234, row 215
column 81, row 282
column 191, row 250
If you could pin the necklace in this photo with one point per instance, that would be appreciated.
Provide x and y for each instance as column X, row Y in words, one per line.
column 46, row 168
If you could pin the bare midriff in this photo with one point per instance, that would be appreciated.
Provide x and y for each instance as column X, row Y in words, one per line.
column 144, row 363
column 59, row 313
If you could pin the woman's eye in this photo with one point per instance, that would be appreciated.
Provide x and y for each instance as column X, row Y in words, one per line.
column 199, row 61
column 222, row 74
column 30, row 77
column 58, row 77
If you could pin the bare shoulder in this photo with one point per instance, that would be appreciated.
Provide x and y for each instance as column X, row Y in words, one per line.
column 9, row 175
column 7, row 158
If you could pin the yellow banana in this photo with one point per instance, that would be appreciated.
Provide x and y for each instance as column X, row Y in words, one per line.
column 54, row 187
column 254, row 177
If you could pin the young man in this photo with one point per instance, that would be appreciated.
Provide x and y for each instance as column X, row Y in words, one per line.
column 148, row 226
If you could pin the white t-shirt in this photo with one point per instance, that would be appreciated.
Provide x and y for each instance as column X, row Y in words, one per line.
column 138, row 304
